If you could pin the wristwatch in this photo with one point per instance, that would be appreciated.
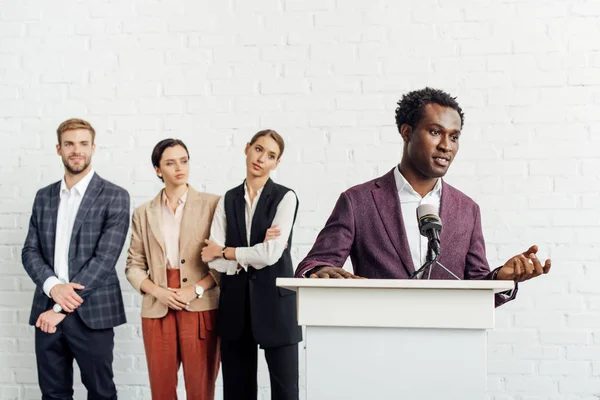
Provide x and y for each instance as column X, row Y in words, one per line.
column 199, row 291
column 58, row 309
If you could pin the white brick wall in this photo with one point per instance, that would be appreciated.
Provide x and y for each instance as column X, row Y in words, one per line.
column 326, row 74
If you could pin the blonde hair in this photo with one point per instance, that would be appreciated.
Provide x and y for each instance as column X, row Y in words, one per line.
column 72, row 124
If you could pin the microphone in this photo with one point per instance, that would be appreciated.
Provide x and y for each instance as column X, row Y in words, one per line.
column 430, row 226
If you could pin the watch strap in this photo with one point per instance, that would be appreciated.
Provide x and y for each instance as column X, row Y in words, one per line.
column 60, row 310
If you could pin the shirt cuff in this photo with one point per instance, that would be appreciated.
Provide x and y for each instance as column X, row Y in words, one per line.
column 306, row 274
column 506, row 295
column 240, row 256
column 50, row 283
column 509, row 293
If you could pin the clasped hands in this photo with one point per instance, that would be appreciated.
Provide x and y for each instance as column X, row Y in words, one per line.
column 179, row 299
column 65, row 296
column 175, row 299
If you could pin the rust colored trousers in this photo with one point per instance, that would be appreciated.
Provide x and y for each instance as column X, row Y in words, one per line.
column 182, row 337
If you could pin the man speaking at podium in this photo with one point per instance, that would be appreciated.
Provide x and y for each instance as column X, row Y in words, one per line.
column 376, row 224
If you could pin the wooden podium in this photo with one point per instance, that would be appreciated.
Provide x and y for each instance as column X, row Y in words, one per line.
column 381, row 339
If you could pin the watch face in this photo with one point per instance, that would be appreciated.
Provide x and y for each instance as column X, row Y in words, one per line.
column 199, row 291
column 57, row 308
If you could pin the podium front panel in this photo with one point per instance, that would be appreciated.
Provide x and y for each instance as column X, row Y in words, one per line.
column 395, row 364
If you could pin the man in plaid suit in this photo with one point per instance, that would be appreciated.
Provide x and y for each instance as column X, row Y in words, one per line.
column 76, row 234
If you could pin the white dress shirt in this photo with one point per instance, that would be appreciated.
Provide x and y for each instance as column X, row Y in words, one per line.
column 171, row 229
column 410, row 200
column 70, row 200
column 261, row 254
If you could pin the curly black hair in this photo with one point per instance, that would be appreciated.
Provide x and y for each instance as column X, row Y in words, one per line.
column 410, row 107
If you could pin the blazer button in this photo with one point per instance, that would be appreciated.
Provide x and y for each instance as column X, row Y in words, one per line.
column 184, row 279
column 182, row 261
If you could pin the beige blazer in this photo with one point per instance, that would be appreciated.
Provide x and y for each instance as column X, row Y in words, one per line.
column 146, row 257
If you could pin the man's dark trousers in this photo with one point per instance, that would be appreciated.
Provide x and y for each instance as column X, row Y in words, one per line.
column 91, row 348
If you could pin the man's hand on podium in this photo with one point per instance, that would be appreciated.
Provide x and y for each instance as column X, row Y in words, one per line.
column 523, row 267
column 332, row 272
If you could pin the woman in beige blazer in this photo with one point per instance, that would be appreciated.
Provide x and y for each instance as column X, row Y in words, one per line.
column 180, row 293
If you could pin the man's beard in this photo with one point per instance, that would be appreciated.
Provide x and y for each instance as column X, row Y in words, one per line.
column 77, row 170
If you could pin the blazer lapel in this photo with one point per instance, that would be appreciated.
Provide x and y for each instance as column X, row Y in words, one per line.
column 90, row 196
column 447, row 203
column 154, row 217
column 54, row 203
column 387, row 202
column 239, row 213
column 263, row 201
column 189, row 219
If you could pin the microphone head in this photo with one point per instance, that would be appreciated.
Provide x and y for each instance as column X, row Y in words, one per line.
column 428, row 218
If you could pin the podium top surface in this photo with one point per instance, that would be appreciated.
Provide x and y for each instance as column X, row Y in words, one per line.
column 496, row 286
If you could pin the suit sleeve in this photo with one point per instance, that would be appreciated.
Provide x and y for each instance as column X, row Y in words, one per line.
column 36, row 267
column 114, row 231
column 218, row 233
column 136, row 269
column 213, row 272
column 477, row 267
column 335, row 240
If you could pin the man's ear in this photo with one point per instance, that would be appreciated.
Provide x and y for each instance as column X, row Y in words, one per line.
column 406, row 132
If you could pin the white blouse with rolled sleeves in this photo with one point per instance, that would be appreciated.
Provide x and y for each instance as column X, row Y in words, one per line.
column 261, row 254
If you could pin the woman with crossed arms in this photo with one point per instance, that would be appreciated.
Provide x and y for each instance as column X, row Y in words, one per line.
column 253, row 310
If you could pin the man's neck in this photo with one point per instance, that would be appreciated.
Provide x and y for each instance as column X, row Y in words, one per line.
column 73, row 179
column 419, row 183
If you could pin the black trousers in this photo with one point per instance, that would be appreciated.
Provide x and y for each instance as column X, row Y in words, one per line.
column 91, row 348
column 239, row 367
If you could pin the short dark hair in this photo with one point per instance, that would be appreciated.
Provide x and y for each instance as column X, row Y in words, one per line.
column 160, row 148
column 273, row 135
column 410, row 107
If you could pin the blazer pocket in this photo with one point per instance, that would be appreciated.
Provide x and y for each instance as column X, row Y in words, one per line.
column 207, row 321
column 148, row 301
column 285, row 292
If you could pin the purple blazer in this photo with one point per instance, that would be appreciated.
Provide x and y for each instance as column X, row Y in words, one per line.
column 366, row 224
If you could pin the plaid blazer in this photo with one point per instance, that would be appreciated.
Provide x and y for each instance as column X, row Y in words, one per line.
column 99, row 232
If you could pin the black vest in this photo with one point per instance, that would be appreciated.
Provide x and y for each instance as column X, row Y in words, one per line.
column 253, row 294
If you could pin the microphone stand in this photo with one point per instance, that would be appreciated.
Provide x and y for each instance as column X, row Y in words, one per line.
column 432, row 260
